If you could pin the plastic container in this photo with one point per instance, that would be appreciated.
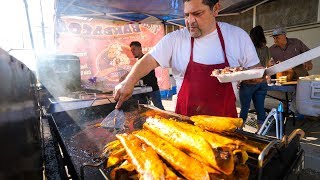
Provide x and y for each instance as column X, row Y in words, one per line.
column 308, row 96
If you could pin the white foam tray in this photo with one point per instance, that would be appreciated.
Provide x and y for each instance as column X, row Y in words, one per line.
column 241, row 75
column 294, row 61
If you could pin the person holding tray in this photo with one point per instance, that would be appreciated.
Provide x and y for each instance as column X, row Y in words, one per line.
column 193, row 53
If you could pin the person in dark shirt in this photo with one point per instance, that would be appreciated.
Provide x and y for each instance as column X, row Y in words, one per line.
column 285, row 48
column 148, row 80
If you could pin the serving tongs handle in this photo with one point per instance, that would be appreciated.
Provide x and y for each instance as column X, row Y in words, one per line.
column 286, row 140
column 265, row 152
column 97, row 164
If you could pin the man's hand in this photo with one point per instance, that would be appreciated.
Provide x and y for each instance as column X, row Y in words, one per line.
column 308, row 65
column 272, row 62
column 122, row 92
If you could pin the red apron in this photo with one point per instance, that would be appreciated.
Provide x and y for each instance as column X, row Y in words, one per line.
column 202, row 94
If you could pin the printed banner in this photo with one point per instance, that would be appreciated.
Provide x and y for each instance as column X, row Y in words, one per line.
column 104, row 51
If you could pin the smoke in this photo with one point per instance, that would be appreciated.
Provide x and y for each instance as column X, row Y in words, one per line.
column 59, row 74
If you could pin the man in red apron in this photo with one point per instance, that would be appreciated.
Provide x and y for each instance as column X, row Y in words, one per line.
column 193, row 53
column 196, row 95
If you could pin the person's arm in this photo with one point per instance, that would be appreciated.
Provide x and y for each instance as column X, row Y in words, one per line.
column 307, row 65
column 123, row 77
column 123, row 90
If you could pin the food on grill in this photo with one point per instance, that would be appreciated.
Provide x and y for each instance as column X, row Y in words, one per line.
column 169, row 174
column 217, row 123
column 241, row 172
column 241, row 156
column 219, row 158
column 167, row 149
column 217, row 140
column 184, row 164
column 143, row 157
column 248, row 145
column 125, row 171
column 112, row 147
column 226, row 70
column 115, row 153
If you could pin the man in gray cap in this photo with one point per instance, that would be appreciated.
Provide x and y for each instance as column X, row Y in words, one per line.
column 285, row 48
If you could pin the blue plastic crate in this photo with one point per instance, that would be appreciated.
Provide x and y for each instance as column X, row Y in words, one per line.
column 166, row 94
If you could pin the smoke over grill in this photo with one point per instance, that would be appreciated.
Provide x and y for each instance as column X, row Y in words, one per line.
column 59, row 74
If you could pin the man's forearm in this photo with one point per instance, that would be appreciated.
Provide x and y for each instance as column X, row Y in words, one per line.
column 141, row 68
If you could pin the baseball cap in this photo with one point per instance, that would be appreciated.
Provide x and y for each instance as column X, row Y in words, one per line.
column 278, row 31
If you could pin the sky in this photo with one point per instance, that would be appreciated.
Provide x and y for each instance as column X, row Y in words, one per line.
column 14, row 31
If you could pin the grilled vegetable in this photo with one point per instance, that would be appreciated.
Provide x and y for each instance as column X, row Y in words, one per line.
column 191, row 143
column 217, row 140
column 241, row 156
column 115, row 153
column 216, row 123
column 169, row 174
column 144, row 158
column 181, row 162
column 241, row 172
column 125, row 171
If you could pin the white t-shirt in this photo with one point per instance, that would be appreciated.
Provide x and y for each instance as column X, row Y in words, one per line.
column 174, row 50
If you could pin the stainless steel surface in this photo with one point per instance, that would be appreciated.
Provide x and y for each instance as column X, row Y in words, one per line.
column 78, row 100
column 142, row 89
column 20, row 136
column 114, row 120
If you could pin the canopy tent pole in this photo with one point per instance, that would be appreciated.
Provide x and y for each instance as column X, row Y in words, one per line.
column 29, row 26
column 254, row 17
column 42, row 27
column 318, row 11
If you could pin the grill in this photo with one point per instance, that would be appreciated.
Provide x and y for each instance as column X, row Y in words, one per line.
column 81, row 142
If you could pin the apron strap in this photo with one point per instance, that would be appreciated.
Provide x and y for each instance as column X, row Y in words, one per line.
column 191, row 54
column 222, row 44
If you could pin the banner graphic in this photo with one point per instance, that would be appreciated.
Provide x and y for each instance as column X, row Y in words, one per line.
column 104, row 51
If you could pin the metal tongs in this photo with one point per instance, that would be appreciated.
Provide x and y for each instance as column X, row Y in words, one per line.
column 115, row 120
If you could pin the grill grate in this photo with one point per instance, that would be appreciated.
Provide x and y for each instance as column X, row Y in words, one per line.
column 80, row 145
